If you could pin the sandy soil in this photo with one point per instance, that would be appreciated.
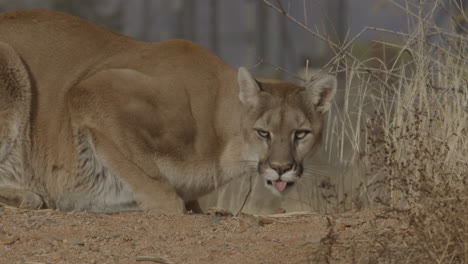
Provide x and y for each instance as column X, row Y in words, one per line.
column 47, row 236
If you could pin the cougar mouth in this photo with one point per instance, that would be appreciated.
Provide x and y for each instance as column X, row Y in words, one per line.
column 276, row 182
column 280, row 185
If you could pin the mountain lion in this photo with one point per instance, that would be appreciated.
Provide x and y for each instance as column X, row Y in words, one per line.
column 92, row 120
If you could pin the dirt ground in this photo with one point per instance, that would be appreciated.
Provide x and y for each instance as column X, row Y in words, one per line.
column 48, row 236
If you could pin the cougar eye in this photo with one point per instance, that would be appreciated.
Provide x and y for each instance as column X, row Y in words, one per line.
column 300, row 134
column 263, row 133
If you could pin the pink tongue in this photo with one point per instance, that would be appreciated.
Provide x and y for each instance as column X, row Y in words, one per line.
column 279, row 185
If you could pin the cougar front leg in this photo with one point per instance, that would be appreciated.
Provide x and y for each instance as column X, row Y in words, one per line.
column 108, row 106
column 152, row 193
column 21, row 198
column 15, row 103
column 15, row 100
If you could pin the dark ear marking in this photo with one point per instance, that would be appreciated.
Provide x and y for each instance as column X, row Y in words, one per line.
column 324, row 94
column 260, row 85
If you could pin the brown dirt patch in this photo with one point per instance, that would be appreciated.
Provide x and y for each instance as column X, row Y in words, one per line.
column 47, row 236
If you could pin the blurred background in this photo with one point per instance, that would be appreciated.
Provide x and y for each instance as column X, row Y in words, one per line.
column 242, row 32
column 251, row 33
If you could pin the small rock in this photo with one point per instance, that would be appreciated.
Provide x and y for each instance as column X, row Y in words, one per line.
column 347, row 223
column 156, row 259
column 247, row 221
column 5, row 240
column 218, row 212
column 49, row 222
column 264, row 221
column 215, row 219
column 74, row 241
column 279, row 211
column 315, row 239
column 56, row 256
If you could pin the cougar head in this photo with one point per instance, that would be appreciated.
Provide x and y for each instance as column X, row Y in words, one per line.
column 282, row 124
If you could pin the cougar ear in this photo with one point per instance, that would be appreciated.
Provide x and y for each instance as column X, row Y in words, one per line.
column 321, row 91
column 248, row 87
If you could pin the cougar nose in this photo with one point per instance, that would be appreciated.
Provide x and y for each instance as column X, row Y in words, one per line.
column 281, row 168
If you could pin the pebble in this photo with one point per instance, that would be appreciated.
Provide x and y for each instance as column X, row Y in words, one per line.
column 74, row 241
column 9, row 240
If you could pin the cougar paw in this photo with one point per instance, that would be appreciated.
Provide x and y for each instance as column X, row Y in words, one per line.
column 167, row 207
column 31, row 201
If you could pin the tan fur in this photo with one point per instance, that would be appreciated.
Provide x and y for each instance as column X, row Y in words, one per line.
column 92, row 120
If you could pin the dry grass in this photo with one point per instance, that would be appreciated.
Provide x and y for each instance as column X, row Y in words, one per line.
column 402, row 133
